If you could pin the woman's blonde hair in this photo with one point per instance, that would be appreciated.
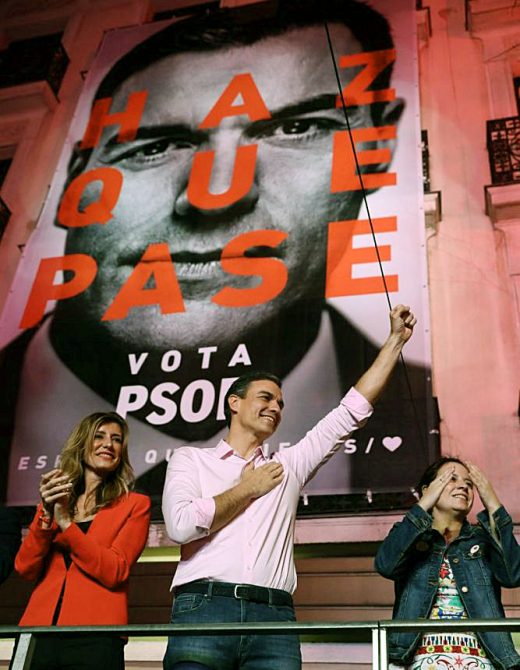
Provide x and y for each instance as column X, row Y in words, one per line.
column 73, row 456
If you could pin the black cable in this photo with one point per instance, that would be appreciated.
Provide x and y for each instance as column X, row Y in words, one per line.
column 358, row 169
column 376, row 247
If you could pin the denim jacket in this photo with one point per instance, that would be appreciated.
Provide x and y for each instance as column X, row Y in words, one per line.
column 412, row 554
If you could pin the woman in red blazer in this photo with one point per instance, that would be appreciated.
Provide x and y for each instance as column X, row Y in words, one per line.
column 87, row 533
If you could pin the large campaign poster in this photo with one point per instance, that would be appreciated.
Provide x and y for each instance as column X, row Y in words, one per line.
column 206, row 219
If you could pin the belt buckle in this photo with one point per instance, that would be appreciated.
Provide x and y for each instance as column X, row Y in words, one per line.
column 237, row 595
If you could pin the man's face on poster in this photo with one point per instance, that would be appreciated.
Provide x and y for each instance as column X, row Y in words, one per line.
column 291, row 190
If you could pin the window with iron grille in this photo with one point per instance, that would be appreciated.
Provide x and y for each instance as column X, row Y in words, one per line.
column 503, row 144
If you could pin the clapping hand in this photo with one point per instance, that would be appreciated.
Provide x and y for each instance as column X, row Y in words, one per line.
column 55, row 488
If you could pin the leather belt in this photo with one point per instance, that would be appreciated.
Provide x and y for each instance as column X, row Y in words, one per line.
column 255, row 594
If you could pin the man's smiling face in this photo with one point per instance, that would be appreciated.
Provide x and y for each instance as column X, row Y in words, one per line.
column 260, row 411
column 290, row 192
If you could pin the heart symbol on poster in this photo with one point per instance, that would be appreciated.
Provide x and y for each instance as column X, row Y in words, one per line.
column 392, row 443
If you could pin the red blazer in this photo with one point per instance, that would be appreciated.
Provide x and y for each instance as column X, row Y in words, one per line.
column 95, row 587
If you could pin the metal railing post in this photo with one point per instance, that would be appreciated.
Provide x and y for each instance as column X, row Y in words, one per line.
column 24, row 652
column 383, row 648
column 375, row 648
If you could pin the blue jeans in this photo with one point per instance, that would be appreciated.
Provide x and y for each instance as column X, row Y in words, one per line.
column 230, row 652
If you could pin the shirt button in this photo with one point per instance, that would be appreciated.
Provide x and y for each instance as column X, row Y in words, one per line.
column 464, row 589
column 456, row 560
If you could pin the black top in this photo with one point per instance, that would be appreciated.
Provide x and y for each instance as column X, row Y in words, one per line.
column 83, row 526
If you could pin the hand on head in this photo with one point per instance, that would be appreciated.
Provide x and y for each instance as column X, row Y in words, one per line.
column 431, row 494
column 484, row 488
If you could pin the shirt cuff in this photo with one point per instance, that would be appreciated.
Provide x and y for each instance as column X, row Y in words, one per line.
column 357, row 402
column 36, row 525
column 204, row 512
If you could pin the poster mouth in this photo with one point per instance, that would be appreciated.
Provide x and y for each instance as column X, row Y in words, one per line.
column 200, row 269
column 194, row 265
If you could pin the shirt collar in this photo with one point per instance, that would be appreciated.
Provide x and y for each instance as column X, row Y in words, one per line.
column 223, row 450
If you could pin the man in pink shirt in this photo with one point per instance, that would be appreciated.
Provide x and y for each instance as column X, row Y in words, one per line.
column 232, row 508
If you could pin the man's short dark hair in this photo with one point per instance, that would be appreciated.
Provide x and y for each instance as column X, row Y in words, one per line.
column 217, row 30
column 240, row 386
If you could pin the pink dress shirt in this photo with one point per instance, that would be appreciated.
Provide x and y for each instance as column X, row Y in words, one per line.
column 256, row 547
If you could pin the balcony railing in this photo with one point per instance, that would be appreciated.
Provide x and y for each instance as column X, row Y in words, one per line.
column 503, row 144
column 360, row 631
column 37, row 59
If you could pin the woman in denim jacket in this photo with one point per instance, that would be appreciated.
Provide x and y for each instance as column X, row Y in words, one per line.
column 445, row 568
